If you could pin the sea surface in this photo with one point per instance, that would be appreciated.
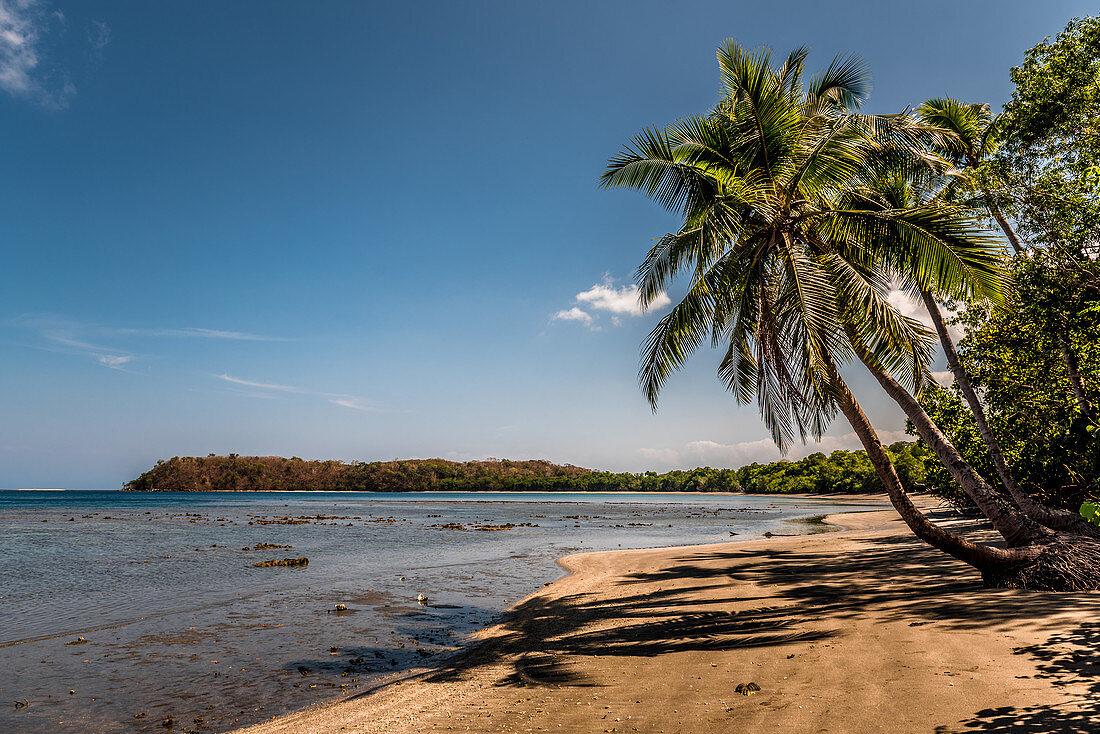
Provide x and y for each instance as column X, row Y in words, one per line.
column 132, row 612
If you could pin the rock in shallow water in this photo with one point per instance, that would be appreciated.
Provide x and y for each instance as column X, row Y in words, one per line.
column 283, row 562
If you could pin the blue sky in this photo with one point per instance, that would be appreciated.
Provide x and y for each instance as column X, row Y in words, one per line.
column 373, row 230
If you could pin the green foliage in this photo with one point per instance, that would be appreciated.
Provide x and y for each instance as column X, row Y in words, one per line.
column 1051, row 131
column 842, row 471
column 1091, row 512
column 1044, row 159
column 274, row 473
column 1014, row 358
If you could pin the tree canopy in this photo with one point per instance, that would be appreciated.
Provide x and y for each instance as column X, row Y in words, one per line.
column 844, row 472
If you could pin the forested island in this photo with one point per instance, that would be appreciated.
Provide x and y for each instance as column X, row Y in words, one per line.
column 848, row 472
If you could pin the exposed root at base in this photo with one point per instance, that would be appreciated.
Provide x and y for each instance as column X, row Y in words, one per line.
column 1065, row 563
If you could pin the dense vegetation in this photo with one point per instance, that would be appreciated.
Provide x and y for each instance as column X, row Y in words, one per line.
column 842, row 471
column 1013, row 358
column 802, row 221
column 274, row 473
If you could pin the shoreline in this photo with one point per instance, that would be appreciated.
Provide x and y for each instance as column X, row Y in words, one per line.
column 797, row 495
column 232, row 645
column 656, row 640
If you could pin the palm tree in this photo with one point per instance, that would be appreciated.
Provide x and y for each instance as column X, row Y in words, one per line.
column 968, row 138
column 788, row 273
column 898, row 186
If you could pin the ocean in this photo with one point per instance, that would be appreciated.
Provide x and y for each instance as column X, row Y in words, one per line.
column 123, row 611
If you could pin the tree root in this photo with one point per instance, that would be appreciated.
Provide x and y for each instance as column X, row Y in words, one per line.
column 1064, row 563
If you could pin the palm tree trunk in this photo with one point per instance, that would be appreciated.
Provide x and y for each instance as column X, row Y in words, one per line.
column 977, row 555
column 973, row 162
column 1051, row 518
column 1073, row 369
column 1010, row 233
column 1060, row 563
column 1016, row 528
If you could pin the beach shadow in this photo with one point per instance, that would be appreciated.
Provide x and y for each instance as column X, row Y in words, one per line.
column 542, row 641
column 1065, row 659
column 918, row 583
column 539, row 637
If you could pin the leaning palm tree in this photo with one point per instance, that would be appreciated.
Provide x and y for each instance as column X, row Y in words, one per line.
column 965, row 135
column 897, row 184
column 967, row 138
column 789, row 274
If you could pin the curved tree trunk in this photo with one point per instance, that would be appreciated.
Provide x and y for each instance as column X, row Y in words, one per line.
column 973, row 161
column 1051, row 518
column 1073, row 370
column 1055, row 563
column 1010, row 233
column 1016, row 528
column 975, row 554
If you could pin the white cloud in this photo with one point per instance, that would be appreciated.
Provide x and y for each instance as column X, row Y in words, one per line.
column 99, row 35
column 734, row 455
column 945, row 378
column 22, row 24
column 344, row 401
column 18, row 37
column 353, row 403
column 114, row 361
column 625, row 300
column 51, row 322
column 605, row 296
column 914, row 309
column 198, row 333
column 261, row 385
column 77, row 336
column 574, row 314
column 106, row 356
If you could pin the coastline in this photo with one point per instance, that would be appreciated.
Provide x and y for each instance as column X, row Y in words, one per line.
column 863, row 629
column 854, row 496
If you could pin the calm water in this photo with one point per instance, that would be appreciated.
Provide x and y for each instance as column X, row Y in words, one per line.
column 177, row 622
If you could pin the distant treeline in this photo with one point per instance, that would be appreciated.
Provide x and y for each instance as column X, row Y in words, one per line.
column 841, row 471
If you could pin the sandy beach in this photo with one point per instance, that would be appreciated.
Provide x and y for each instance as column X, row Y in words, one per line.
column 863, row 630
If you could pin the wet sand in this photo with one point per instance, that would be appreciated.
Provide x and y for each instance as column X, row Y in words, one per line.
column 865, row 630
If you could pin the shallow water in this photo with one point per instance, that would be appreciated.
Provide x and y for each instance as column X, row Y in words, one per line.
column 178, row 623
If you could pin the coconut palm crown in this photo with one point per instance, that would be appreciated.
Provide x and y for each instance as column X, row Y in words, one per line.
column 790, row 267
column 965, row 134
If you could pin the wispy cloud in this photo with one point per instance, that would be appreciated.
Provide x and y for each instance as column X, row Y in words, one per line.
column 605, row 296
column 85, row 338
column 341, row 399
column 18, row 39
column 23, row 23
column 914, row 309
column 197, row 333
column 114, row 361
column 353, row 403
column 106, row 356
column 945, row 378
column 734, row 455
column 261, row 385
column 99, row 35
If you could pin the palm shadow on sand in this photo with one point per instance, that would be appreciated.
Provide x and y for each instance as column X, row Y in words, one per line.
column 540, row 641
